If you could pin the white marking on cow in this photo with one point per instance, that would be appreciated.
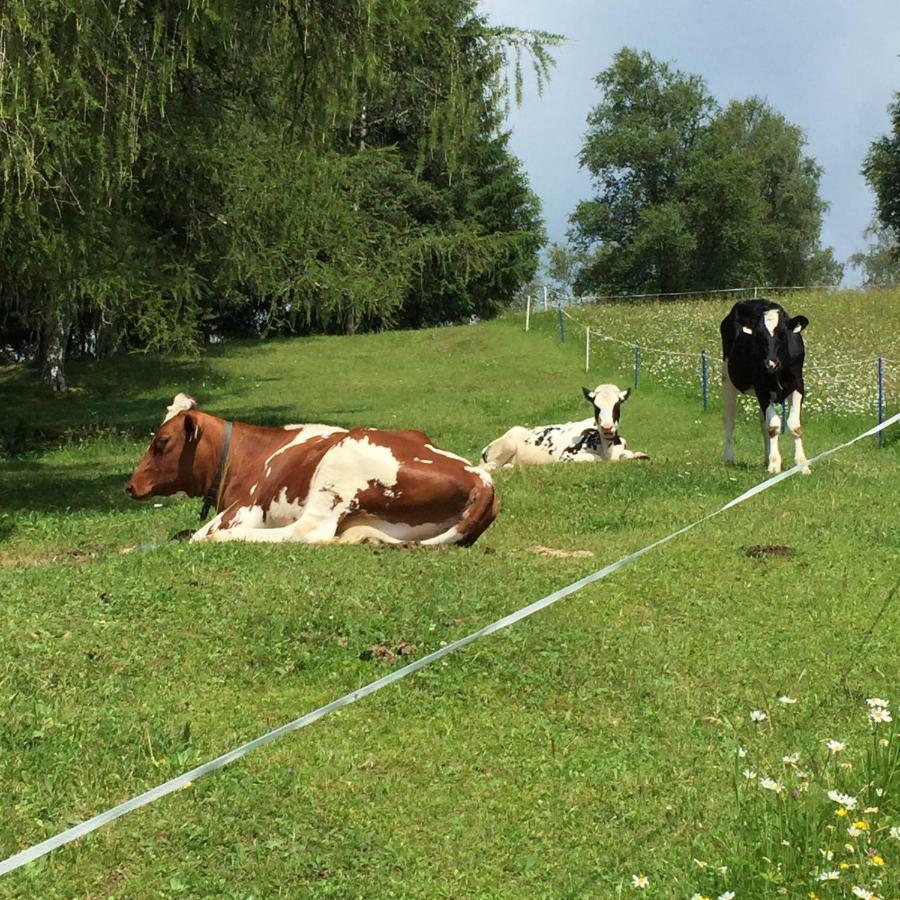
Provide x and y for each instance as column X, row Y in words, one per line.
column 771, row 425
column 426, row 462
column 770, row 317
column 305, row 433
column 447, row 453
column 795, row 401
column 253, row 488
column 181, row 403
column 282, row 511
column 746, row 330
column 347, row 469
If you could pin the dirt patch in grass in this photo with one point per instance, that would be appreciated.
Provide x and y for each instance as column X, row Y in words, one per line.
column 761, row 550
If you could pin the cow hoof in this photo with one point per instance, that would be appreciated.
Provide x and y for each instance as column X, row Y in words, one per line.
column 807, row 470
column 774, row 468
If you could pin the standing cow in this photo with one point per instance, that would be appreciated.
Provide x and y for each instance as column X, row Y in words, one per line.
column 589, row 440
column 314, row 483
column 762, row 353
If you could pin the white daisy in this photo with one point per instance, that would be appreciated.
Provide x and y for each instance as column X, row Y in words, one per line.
column 880, row 714
column 895, row 832
column 769, row 784
column 875, row 702
column 830, row 875
column 791, row 760
column 786, row 701
column 749, row 774
column 845, row 800
column 639, row 882
column 728, row 895
column 741, row 752
column 862, row 893
column 757, row 715
column 835, row 746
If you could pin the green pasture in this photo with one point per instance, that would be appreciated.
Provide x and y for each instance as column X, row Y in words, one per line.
column 593, row 742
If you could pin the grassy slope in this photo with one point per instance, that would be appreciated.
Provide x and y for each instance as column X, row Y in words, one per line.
column 590, row 742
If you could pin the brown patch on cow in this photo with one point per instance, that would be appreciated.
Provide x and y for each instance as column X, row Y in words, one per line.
column 761, row 550
column 558, row 554
column 389, row 652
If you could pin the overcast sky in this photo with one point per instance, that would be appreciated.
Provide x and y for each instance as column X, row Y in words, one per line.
column 830, row 66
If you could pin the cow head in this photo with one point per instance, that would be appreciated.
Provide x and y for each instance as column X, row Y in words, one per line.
column 776, row 337
column 170, row 464
column 606, row 400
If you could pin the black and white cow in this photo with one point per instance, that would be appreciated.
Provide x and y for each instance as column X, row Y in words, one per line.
column 762, row 353
column 589, row 440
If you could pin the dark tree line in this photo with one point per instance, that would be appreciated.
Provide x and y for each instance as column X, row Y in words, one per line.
column 170, row 170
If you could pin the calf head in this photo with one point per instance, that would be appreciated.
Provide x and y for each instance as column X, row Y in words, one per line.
column 172, row 463
column 607, row 400
column 776, row 337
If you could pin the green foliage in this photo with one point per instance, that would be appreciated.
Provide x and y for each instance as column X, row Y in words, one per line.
column 691, row 197
column 882, row 171
column 880, row 264
column 233, row 164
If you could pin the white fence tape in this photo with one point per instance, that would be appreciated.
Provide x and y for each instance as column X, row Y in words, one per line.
column 184, row 780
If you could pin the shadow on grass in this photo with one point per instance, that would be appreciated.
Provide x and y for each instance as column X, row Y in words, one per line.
column 125, row 395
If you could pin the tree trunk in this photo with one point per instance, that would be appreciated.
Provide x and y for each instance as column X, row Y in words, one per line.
column 54, row 340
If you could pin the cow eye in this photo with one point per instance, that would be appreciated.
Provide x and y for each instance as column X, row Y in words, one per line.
column 160, row 444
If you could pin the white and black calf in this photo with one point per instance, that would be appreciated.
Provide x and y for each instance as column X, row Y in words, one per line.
column 762, row 353
column 589, row 440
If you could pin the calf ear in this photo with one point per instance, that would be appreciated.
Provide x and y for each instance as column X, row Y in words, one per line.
column 588, row 395
column 624, row 395
column 797, row 324
column 191, row 427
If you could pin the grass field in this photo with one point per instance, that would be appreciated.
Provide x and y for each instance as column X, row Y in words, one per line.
column 591, row 743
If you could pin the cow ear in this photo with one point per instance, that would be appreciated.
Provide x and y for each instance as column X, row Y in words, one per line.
column 797, row 324
column 191, row 427
column 624, row 395
column 588, row 394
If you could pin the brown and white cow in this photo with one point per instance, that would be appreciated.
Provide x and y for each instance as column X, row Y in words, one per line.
column 589, row 440
column 314, row 483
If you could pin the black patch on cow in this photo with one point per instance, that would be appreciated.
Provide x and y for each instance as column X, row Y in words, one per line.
column 746, row 354
column 543, row 435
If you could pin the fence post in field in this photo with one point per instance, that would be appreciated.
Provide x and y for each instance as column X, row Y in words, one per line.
column 880, row 398
column 637, row 364
column 546, row 307
column 587, row 347
column 562, row 321
column 704, row 379
column 528, row 312
column 754, row 292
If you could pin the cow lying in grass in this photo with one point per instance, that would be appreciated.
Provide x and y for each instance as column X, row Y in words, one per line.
column 763, row 353
column 590, row 440
column 314, row 483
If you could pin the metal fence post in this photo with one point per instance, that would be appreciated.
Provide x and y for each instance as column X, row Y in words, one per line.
column 562, row 322
column 587, row 347
column 637, row 364
column 545, row 298
column 880, row 398
column 704, row 379
column 528, row 312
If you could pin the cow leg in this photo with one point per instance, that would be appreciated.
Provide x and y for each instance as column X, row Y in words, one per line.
column 795, row 401
column 729, row 407
column 771, row 428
